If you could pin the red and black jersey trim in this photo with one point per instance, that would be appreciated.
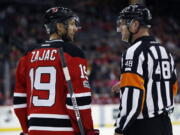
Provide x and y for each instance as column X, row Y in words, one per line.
column 49, row 122
column 19, row 100
column 81, row 101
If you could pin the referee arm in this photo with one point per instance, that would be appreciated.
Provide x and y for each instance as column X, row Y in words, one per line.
column 131, row 102
column 133, row 93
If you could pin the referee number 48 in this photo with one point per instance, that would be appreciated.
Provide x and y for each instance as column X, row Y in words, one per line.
column 163, row 69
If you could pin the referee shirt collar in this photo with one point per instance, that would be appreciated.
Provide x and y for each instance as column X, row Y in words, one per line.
column 144, row 38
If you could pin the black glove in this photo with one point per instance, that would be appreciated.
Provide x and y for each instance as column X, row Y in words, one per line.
column 23, row 133
column 93, row 132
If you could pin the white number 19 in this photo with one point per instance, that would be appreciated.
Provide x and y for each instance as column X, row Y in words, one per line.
column 35, row 76
column 84, row 73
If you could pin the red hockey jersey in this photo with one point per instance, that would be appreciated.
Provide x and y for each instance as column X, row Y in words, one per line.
column 42, row 102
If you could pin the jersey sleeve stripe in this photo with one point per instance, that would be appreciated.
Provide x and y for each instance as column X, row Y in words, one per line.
column 20, row 94
column 56, row 116
column 81, row 94
column 131, row 80
column 81, row 101
column 80, row 107
column 19, row 100
column 50, row 128
column 49, row 122
column 19, row 106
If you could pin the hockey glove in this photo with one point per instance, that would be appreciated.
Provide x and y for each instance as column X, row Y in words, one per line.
column 23, row 133
column 93, row 132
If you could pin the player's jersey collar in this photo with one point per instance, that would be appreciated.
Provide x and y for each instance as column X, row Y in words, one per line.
column 56, row 40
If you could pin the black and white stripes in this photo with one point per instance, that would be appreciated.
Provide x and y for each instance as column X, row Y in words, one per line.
column 147, row 78
column 20, row 100
column 49, row 122
column 160, row 67
column 83, row 101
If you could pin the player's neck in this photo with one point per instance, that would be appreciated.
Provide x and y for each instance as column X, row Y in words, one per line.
column 54, row 37
column 141, row 33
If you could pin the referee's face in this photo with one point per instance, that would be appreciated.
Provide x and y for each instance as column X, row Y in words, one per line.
column 122, row 28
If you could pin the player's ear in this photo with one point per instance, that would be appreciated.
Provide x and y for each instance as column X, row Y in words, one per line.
column 60, row 28
column 134, row 25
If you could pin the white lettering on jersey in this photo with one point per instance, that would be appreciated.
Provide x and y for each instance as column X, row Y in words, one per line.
column 46, row 55
column 32, row 57
column 128, row 65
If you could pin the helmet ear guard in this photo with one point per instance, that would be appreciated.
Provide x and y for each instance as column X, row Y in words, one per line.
column 50, row 28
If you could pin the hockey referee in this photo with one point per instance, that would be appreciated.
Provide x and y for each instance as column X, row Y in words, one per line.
column 148, row 79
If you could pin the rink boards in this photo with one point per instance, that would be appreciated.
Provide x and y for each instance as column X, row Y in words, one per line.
column 103, row 116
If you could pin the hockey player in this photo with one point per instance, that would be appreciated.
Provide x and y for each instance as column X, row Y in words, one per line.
column 42, row 102
column 148, row 79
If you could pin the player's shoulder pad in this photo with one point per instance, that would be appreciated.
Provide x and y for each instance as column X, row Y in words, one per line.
column 69, row 48
column 31, row 48
column 74, row 50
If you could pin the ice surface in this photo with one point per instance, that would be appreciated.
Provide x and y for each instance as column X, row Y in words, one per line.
column 103, row 131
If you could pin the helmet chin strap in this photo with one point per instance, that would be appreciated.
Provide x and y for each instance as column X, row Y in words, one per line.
column 131, row 33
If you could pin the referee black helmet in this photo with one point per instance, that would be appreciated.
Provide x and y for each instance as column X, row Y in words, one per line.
column 136, row 12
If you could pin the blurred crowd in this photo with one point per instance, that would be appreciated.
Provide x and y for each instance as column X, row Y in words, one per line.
column 21, row 28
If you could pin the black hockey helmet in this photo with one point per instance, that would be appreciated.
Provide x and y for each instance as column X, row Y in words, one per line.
column 58, row 15
column 137, row 12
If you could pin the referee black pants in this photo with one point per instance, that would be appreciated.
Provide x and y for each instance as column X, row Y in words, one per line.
column 159, row 125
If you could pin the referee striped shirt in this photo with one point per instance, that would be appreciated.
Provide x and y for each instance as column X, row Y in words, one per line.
column 148, row 82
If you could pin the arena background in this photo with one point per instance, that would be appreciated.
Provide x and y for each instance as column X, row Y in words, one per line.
column 21, row 26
